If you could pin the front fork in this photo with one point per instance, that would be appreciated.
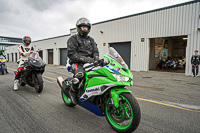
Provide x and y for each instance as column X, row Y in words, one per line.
column 114, row 97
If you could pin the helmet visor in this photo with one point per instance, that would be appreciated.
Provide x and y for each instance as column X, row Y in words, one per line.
column 83, row 22
column 27, row 42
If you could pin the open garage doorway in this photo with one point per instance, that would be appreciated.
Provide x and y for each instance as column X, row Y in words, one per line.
column 8, row 57
column 15, row 57
column 50, row 56
column 168, row 54
column 41, row 54
column 12, row 57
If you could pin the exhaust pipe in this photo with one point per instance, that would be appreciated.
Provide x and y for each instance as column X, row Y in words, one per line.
column 15, row 71
column 60, row 81
column 63, row 86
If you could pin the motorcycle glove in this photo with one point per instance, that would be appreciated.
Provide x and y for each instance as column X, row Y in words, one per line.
column 96, row 58
column 86, row 59
column 90, row 60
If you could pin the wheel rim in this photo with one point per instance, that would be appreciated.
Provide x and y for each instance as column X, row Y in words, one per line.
column 66, row 99
column 123, row 118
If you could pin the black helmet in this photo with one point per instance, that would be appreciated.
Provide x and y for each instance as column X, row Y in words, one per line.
column 26, row 40
column 83, row 22
column 1, row 52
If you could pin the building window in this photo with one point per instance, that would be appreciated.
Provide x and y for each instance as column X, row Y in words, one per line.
column 4, row 39
column 15, row 40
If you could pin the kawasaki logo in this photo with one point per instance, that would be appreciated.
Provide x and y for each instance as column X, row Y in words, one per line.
column 96, row 89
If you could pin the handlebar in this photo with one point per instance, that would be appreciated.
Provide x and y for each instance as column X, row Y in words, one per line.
column 96, row 63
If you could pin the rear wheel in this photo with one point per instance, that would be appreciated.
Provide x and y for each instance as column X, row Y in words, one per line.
column 67, row 100
column 38, row 83
column 127, row 116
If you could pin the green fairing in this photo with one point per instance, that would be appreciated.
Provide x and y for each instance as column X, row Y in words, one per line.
column 109, row 79
column 115, row 92
column 105, row 77
column 123, row 72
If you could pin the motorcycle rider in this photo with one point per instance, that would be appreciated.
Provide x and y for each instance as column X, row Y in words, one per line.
column 25, row 51
column 195, row 61
column 1, row 53
column 81, row 49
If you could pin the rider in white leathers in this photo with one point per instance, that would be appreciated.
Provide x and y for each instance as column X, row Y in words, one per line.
column 25, row 51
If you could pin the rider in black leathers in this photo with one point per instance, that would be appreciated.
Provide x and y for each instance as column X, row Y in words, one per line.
column 81, row 49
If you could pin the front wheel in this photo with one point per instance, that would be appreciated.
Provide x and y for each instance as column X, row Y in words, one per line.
column 38, row 83
column 127, row 116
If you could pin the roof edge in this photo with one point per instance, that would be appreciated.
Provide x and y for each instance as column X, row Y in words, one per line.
column 145, row 12
column 11, row 37
column 159, row 9
column 51, row 38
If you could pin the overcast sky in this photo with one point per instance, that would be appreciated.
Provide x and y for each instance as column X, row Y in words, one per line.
column 42, row 19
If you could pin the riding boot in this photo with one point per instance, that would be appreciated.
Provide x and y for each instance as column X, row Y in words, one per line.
column 73, row 90
column 16, row 81
column 6, row 70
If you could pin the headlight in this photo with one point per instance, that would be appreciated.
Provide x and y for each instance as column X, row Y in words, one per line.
column 120, row 77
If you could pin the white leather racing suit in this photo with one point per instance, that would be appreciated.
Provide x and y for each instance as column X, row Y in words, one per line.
column 25, row 52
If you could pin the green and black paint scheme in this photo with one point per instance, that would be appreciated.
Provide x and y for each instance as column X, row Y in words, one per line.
column 103, row 92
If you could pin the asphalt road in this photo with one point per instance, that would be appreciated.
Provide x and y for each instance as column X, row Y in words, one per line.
column 169, row 103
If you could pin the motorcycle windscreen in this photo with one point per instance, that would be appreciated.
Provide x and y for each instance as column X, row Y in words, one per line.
column 115, row 55
column 36, row 60
column 35, row 56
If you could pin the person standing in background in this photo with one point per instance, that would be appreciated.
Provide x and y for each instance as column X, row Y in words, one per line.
column 195, row 61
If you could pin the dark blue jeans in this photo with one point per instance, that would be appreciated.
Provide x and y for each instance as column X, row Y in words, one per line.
column 195, row 66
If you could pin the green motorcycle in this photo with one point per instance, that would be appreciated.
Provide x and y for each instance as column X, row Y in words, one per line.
column 103, row 92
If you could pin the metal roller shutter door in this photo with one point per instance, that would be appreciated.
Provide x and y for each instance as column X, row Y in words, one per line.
column 124, row 49
column 63, row 56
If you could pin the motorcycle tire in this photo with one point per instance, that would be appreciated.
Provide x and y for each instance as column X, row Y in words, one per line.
column 2, row 70
column 38, row 83
column 128, row 112
column 67, row 100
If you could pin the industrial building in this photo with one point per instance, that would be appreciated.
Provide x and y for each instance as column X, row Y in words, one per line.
column 141, row 39
column 7, row 42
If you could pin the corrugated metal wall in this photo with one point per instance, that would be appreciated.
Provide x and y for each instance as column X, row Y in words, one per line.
column 176, row 21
